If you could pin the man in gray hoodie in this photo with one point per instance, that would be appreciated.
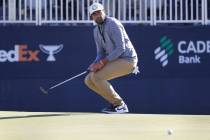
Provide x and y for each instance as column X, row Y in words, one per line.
column 116, row 57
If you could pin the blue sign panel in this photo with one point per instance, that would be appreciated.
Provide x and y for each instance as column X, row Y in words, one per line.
column 174, row 64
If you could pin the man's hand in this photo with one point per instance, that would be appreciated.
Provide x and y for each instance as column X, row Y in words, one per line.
column 98, row 66
column 95, row 67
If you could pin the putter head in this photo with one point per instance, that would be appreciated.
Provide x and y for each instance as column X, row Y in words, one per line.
column 44, row 90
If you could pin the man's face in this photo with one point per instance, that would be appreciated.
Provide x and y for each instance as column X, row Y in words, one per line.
column 98, row 16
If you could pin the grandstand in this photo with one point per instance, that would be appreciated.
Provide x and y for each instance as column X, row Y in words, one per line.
column 152, row 12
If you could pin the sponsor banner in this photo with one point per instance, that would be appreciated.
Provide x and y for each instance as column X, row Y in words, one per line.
column 164, row 52
column 28, row 52
column 173, row 52
column 174, row 67
column 187, row 51
column 21, row 53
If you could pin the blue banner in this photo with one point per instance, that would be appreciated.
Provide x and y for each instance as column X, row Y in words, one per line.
column 174, row 64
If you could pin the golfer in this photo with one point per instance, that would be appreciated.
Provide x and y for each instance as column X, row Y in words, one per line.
column 116, row 57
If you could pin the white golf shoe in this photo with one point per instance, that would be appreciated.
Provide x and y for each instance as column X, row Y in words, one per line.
column 116, row 109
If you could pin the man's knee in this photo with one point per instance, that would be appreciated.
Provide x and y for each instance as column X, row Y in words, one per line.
column 94, row 77
column 87, row 80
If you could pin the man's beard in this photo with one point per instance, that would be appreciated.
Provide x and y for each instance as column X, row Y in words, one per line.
column 99, row 20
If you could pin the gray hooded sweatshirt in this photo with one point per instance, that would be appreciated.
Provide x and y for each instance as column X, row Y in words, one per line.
column 112, row 41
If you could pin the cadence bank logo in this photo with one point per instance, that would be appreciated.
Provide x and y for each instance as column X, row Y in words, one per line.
column 191, row 52
column 164, row 50
column 188, row 51
column 22, row 53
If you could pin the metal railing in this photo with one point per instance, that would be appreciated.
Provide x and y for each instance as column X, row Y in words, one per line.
column 180, row 11
column 76, row 11
column 128, row 11
column 207, row 15
column 64, row 11
column 19, row 11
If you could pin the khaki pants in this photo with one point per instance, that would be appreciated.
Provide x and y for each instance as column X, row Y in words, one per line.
column 98, row 81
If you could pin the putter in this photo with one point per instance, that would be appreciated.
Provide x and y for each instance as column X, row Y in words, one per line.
column 46, row 91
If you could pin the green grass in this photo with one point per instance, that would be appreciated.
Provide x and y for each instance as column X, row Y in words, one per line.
column 96, row 126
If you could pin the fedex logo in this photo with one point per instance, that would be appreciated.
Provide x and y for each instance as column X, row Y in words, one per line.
column 21, row 53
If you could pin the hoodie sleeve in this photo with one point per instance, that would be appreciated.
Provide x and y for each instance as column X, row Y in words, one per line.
column 117, row 36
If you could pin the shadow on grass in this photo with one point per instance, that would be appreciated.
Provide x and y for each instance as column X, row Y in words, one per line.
column 33, row 116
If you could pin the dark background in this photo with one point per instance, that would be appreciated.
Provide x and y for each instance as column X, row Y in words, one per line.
column 174, row 89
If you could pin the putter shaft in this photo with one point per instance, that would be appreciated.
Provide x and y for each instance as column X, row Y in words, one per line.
column 61, row 83
column 68, row 80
